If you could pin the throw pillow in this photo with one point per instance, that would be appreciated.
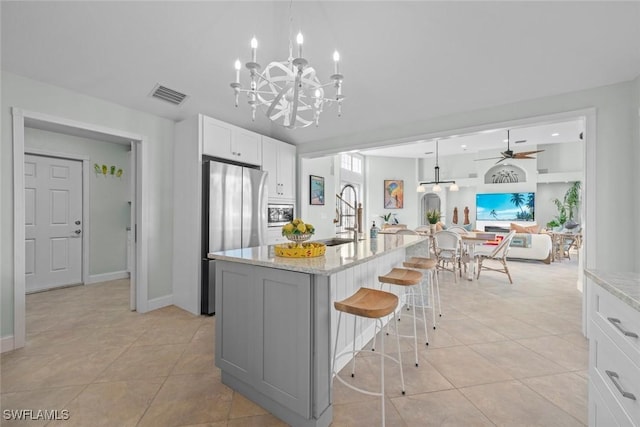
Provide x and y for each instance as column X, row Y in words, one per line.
column 530, row 229
column 495, row 242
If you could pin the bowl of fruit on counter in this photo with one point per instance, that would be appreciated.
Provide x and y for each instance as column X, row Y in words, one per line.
column 299, row 232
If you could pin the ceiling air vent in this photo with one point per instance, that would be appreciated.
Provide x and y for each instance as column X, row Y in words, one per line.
column 169, row 95
column 521, row 141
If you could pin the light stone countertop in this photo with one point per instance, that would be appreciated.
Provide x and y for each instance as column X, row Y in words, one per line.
column 624, row 285
column 336, row 258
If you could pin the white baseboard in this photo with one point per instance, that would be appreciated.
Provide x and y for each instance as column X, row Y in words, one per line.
column 6, row 344
column 105, row 277
column 160, row 302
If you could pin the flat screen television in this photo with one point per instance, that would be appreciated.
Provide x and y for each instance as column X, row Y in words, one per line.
column 505, row 207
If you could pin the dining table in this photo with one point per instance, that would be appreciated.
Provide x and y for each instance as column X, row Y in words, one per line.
column 470, row 240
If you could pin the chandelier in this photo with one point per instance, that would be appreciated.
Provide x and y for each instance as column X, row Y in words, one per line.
column 290, row 90
column 436, row 182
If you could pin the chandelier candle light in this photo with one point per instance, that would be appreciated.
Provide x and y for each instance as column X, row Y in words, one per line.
column 289, row 90
column 436, row 187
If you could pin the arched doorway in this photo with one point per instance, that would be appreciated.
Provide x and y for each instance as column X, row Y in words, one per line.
column 429, row 201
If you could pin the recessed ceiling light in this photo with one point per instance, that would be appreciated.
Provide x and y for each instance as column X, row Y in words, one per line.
column 555, row 134
column 505, row 140
column 463, row 146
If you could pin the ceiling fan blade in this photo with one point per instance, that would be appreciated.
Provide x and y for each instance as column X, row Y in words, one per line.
column 519, row 157
column 489, row 158
column 501, row 160
column 526, row 153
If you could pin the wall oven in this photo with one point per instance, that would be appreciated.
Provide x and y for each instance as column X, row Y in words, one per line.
column 279, row 214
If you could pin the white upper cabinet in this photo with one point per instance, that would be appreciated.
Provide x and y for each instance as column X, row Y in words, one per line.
column 230, row 142
column 279, row 159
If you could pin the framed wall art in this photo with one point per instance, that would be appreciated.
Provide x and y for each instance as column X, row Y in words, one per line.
column 393, row 194
column 316, row 190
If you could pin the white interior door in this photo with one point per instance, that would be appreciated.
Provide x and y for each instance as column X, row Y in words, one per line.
column 53, row 222
column 131, row 235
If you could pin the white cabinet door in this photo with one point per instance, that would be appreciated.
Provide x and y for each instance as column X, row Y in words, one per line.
column 216, row 138
column 230, row 142
column 270, row 165
column 274, row 235
column 287, row 170
column 279, row 159
column 246, row 146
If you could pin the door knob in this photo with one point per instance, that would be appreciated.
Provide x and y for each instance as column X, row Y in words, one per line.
column 78, row 231
column 78, row 222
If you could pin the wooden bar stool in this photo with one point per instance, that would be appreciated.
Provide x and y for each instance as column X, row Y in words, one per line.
column 430, row 265
column 372, row 304
column 410, row 280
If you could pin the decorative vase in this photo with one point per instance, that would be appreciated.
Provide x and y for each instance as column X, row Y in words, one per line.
column 432, row 228
column 570, row 225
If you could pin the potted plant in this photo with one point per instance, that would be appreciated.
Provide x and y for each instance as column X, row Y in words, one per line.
column 389, row 218
column 571, row 200
column 567, row 206
column 433, row 216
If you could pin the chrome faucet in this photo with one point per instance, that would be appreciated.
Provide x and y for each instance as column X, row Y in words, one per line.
column 355, row 232
column 355, row 211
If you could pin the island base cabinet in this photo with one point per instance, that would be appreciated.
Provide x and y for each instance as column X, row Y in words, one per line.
column 265, row 340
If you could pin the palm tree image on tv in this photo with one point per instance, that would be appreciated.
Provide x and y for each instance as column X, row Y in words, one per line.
column 505, row 207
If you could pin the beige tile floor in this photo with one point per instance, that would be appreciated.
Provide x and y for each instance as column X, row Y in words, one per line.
column 506, row 355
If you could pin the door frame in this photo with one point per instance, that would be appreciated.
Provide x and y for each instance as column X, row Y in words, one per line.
column 22, row 118
column 85, row 200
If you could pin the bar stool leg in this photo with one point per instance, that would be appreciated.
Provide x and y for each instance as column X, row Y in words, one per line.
column 400, row 362
column 335, row 346
column 353, row 360
column 382, row 371
column 438, row 292
column 415, row 333
column 424, row 318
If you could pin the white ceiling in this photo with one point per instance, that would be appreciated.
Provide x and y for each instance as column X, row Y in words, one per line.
column 403, row 62
column 520, row 139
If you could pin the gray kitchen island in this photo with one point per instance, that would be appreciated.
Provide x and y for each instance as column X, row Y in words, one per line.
column 275, row 322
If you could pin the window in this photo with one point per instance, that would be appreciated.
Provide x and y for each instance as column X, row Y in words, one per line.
column 346, row 162
column 352, row 163
column 356, row 164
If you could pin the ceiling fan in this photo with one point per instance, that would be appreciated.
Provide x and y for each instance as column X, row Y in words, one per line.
column 509, row 154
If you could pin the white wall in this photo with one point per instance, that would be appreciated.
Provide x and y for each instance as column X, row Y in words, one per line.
column 320, row 216
column 39, row 97
column 616, row 132
column 561, row 157
column 109, row 209
column 379, row 169
column 545, row 208
column 636, row 128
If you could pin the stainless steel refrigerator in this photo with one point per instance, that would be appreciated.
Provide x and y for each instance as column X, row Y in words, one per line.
column 234, row 216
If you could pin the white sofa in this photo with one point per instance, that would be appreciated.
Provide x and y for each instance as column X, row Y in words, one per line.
column 540, row 248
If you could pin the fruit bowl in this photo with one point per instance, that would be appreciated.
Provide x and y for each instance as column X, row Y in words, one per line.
column 300, row 250
column 298, row 238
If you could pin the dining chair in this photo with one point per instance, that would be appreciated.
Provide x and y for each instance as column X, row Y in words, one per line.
column 407, row 231
column 448, row 248
column 458, row 229
column 497, row 253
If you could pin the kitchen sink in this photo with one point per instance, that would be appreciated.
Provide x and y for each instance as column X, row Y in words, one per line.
column 335, row 241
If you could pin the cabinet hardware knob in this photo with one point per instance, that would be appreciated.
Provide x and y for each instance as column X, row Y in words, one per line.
column 613, row 376
column 618, row 324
